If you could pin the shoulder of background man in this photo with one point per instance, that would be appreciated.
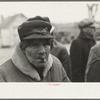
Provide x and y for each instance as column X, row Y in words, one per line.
column 94, row 54
column 96, row 49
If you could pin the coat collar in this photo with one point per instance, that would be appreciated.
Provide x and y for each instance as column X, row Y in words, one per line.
column 21, row 62
column 84, row 35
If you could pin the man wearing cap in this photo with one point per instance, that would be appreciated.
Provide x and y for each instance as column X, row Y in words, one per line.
column 80, row 48
column 31, row 60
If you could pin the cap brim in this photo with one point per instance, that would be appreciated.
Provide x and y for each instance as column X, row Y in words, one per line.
column 39, row 36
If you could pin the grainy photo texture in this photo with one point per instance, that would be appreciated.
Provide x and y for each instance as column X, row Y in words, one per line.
column 49, row 42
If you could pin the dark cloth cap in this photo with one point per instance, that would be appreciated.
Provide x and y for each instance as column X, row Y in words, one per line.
column 86, row 23
column 35, row 28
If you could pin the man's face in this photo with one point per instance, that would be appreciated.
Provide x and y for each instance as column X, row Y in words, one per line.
column 89, row 30
column 38, row 51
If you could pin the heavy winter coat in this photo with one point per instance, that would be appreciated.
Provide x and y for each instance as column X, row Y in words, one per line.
column 79, row 52
column 61, row 53
column 18, row 69
column 92, row 73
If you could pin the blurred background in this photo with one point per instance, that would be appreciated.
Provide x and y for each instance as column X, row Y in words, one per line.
column 65, row 17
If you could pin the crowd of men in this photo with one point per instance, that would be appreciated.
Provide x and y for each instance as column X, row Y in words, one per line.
column 38, row 57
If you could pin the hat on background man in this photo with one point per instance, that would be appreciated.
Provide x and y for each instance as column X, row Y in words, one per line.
column 35, row 28
column 88, row 22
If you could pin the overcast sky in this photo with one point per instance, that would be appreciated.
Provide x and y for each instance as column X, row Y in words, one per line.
column 59, row 12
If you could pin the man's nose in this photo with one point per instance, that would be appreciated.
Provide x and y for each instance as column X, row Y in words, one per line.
column 41, row 50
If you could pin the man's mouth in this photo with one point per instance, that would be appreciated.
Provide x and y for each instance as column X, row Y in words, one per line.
column 42, row 60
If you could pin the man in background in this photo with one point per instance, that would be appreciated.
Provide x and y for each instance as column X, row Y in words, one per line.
column 80, row 49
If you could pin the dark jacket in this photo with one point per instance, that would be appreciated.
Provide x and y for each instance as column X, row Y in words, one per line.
column 79, row 52
column 18, row 69
column 61, row 53
column 92, row 73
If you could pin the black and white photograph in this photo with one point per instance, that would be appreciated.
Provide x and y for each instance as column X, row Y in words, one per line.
column 49, row 49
